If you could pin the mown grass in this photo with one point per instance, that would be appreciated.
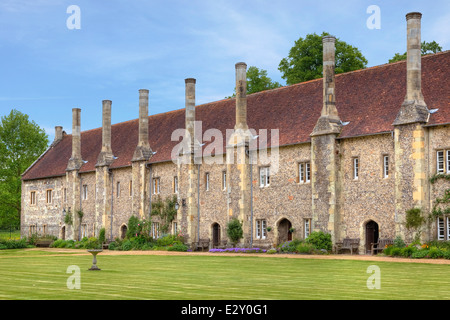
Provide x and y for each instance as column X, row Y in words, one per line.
column 189, row 277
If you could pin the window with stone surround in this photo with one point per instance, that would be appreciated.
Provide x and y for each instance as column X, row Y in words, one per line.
column 33, row 198
column 443, row 228
column 65, row 194
column 175, row 184
column 84, row 230
column 385, row 166
column 84, row 192
column 32, row 230
column 130, row 188
column 355, row 168
column 264, row 176
column 207, row 181
column 307, row 227
column 224, row 180
column 118, row 189
column 49, row 196
column 155, row 230
column 443, row 161
column 261, row 225
column 156, row 185
column 304, row 172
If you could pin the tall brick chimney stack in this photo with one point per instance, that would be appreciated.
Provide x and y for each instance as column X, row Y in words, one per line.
column 106, row 156
column 143, row 150
column 329, row 121
column 414, row 108
column 75, row 162
column 241, row 96
column 329, row 98
column 190, row 110
column 58, row 134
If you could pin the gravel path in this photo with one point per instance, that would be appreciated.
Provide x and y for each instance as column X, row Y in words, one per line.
column 57, row 251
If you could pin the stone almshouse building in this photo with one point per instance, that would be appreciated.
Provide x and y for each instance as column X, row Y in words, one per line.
column 353, row 153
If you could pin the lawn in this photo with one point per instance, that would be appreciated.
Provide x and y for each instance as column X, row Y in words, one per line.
column 35, row 275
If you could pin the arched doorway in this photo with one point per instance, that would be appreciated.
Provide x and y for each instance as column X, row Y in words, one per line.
column 63, row 233
column 284, row 234
column 371, row 234
column 123, row 231
column 216, row 235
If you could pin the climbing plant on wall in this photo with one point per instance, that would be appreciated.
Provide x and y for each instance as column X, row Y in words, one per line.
column 165, row 209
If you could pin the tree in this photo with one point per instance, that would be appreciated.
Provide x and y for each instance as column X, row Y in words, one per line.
column 426, row 48
column 234, row 231
column 21, row 142
column 257, row 80
column 305, row 59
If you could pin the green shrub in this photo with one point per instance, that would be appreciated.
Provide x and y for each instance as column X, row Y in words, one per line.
column 305, row 248
column 320, row 240
column 57, row 243
column 407, row 251
column 271, row 251
column 101, row 236
column 13, row 244
column 435, row 253
column 112, row 245
column 387, row 251
column 289, row 246
column 446, row 254
column 396, row 252
column 234, row 230
column 126, row 245
column 399, row 243
column 178, row 247
column 420, row 254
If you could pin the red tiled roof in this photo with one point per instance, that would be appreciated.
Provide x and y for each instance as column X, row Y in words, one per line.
column 369, row 99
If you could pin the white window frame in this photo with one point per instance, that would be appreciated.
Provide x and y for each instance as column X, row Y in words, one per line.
column 175, row 184
column 156, row 186
column 155, row 230
column 355, row 168
column 304, row 172
column 261, row 232
column 440, row 161
column 307, row 172
column 174, row 227
column 385, row 166
column 307, row 227
column 440, row 228
column 207, row 181
column 448, row 161
column 448, row 227
column 224, row 180
column 264, row 177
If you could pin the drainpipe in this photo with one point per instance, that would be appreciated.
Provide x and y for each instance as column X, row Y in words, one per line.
column 149, row 166
column 112, row 202
column 198, row 202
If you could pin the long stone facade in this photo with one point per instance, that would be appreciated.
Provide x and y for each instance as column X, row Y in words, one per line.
column 349, row 185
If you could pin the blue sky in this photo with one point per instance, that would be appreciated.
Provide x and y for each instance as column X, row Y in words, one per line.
column 123, row 46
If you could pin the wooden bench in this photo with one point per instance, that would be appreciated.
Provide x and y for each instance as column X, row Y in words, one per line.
column 381, row 245
column 203, row 244
column 347, row 244
column 43, row 243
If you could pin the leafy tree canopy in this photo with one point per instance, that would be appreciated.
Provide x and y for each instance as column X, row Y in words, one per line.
column 305, row 59
column 21, row 142
column 426, row 48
